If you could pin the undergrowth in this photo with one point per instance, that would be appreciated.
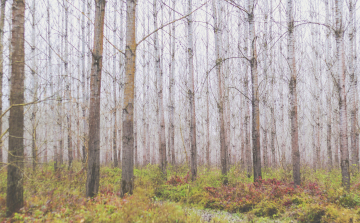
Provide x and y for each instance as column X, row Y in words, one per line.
column 59, row 196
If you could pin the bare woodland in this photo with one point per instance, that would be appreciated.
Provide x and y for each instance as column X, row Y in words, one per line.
column 251, row 84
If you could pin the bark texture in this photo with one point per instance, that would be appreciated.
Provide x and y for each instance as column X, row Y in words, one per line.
column 14, row 193
column 93, row 167
column 127, row 180
column 2, row 22
column 223, row 149
column 255, row 94
column 295, row 153
column 191, row 93
column 341, row 85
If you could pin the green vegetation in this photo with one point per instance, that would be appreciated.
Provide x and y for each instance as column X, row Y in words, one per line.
column 59, row 197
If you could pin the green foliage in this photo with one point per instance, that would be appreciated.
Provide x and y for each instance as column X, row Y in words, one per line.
column 59, row 197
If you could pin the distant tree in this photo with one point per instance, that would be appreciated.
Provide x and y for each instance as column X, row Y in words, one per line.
column 191, row 94
column 341, row 86
column 255, row 91
column 2, row 22
column 295, row 153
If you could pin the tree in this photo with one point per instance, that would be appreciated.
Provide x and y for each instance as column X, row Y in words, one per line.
column 341, row 86
column 34, row 74
column 127, row 177
column 328, row 97
column 93, row 168
column 255, row 93
column 171, row 90
column 220, row 105
column 160, row 102
column 68, row 86
column 83, row 84
column 353, row 90
column 2, row 22
column 295, row 153
column 191, row 94
column 114, row 91
column 207, row 146
column 14, row 192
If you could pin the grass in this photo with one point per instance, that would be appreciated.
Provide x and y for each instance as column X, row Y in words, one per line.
column 59, row 197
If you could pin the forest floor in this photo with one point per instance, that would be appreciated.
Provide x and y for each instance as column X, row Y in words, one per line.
column 59, row 197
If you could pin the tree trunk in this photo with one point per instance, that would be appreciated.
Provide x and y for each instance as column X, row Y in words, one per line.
column 114, row 91
column 127, row 181
column 14, row 193
column 207, row 143
column 160, row 102
column 83, row 88
column 353, row 89
column 171, row 90
column 340, row 58
column 255, row 94
column 295, row 153
column 2, row 22
column 68, row 88
column 328, row 97
column 248, row 160
column 93, row 168
column 191, row 93
column 217, row 30
column 34, row 149
column 49, row 61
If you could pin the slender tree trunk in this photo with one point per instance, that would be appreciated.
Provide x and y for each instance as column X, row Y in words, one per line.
column 340, row 58
column 255, row 94
column 93, row 168
column 67, row 87
column 122, row 78
column 50, row 75
column 114, row 91
column 217, row 30
column 145, row 99
column 160, row 102
column 191, row 93
column 328, row 97
column 14, row 193
column 2, row 22
column 171, row 90
column 127, row 181
column 34, row 88
column 207, row 145
column 266, row 66
column 248, row 160
column 295, row 153
column 353, row 91
column 83, row 88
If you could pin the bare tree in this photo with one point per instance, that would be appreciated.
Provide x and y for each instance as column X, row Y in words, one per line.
column 217, row 30
column 2, row 22
column 255, row 92
column 14, row 193
column 171, row 89
column 34, row 74
column 160, row 102
column 93, row 168
column 295, row 154
column 127, row 177
column 114, row 91
column 328, row 97
column 191, row 95
column 341, row 84
column 353, row 91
